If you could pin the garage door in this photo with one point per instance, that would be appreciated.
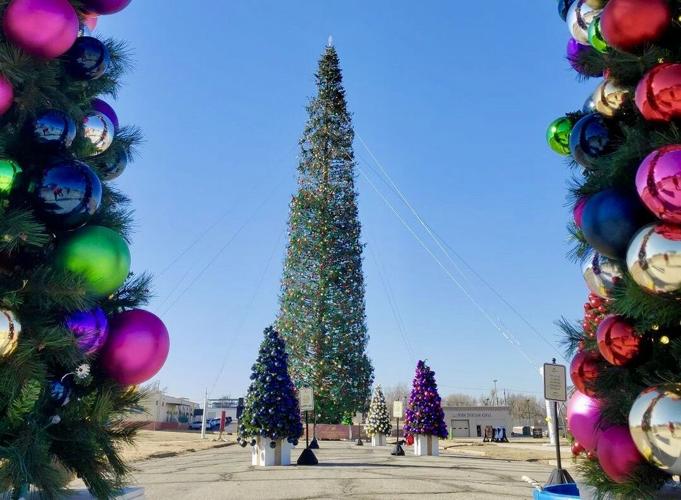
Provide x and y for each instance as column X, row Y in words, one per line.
column 460, row 428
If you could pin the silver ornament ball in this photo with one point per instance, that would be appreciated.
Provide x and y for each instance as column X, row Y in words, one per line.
column 10, row 329
column 655, row 426
column 579, row 18
column 601, row 274
column 99, row 131
column 654, row 258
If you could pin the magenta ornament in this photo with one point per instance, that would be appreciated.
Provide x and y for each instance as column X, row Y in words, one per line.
column 91, row 329
column 617, row 453
column 42, row 28
column 658, row 182
column 6, row 95
column 578, row 211
column 106, row 109
column 137, row 347
column 105, row 6
column 583, row 415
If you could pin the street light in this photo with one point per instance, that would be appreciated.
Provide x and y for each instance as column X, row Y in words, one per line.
column 496, row 400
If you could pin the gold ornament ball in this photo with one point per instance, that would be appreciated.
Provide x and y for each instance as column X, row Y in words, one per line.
column 10, row 329
column 609, row 98
column 655, row 426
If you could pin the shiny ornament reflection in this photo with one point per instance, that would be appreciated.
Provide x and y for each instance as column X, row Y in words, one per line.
column 88, row 58
column 113, row 166
column 630, row 24
column 60, row 392
column 658, row 94
column 584, row 370
column 658, row 182
column 655, row 426
column 9, row 172
column 579, row 17
column 618, row 341
column 617, row 453
column 590, row 139
column 54, row 129
column 601, row 274
column 596, row 39
column 10, row 330
column 576, row 52
column 558, row 135
column 98, row 130
column 609, row 98
column 90, row 328
column 654, row 258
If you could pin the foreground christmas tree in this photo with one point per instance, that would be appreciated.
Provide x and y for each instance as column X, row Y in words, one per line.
column 322, row 314
column 626, row 147
column 378, row 421
column 424, row 417
column 71, row 341
column 271, row 418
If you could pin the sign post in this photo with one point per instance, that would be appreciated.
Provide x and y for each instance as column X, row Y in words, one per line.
column 398, row 411
column 306, row 399
column 555, row 389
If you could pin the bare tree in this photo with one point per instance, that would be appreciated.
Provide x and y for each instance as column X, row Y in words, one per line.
column 399, row 392
column 459, row 399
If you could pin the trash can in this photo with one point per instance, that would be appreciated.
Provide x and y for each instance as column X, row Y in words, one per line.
column 557, row 492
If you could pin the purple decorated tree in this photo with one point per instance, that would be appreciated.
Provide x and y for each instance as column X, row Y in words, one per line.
column 424, row 413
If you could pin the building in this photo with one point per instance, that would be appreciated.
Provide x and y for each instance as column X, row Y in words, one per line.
column 228, row 406
column 470, row 421
column 164, row 411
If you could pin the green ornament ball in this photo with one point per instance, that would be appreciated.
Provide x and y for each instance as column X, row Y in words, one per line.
column 596, row 37
column 99, row 255
column 9, row 171
column 558, row 135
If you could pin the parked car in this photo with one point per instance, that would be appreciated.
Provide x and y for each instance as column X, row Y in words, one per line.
column 214, row 423
column 195, row 425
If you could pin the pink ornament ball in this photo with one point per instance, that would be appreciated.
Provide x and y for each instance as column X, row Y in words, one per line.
column 658, row 182
column 102, row 7
column 137, row 347
column 583, row 415
column 617, row 453
column 90, row 20
column 6, row 95
column 578, row 211
column 42, row 28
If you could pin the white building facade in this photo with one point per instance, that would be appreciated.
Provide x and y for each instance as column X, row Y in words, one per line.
column 470, row 421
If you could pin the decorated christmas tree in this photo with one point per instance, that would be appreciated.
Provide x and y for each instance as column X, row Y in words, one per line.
column 625, row 147
column 271, row 407
column 378, row 420
column 71, row 342
column 424, row 414
column 322, row 313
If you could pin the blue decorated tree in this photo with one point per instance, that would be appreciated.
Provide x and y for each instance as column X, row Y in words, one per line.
column 424, row 414
column 271, row 408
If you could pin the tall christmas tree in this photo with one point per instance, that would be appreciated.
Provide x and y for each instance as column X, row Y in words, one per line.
column 424, row 413
column 70, row 342
column 322, row 314
column 271, row 409
column 378, row 420
column 625, row 144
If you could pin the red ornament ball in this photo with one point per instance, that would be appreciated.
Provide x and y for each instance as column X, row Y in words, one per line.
column 577, row 449
column 629, row 24
column 658, row 94
column 617, row 453
column 584, row 371
column 618, row 342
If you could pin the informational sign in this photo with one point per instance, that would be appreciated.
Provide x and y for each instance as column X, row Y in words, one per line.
column 555, row 382
column 306, row 396
column 398, row 409
column 357, row 419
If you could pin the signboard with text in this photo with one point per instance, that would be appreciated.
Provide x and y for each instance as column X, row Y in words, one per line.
column 358, row 418
column 398, row 409
column 306, row 396
column 555, row 382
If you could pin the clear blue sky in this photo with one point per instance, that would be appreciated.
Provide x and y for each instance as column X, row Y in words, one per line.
column 453, row 100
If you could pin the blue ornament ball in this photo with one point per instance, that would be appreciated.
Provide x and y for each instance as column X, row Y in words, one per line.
column 590, row 139
column 88, row 58
column 611, row 219
column 563, row 7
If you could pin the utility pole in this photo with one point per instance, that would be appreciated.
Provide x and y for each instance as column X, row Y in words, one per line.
column 203, row 417
column 496, row 400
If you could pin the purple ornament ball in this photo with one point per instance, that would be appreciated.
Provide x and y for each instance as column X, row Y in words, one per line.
column 575, row 51
column 578, row 211
column 91, row 329
column 6, row 95
column 583, row 414
column 658, row 182
column 106, row 109
column 42, row 28
column 137, row 347
column 101, row 7
column 617, row 453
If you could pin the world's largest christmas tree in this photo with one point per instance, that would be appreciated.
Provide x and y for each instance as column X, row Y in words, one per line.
column 626, row 147
column 322, row 313
column 71, row 341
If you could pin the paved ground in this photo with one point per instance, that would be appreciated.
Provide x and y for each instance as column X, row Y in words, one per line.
column 345, row 471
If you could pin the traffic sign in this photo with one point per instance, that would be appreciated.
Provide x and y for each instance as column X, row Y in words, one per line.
column 306, row 396
column 555, row 382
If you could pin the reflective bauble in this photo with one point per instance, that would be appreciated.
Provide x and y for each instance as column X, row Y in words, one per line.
column 575, row 53
column 583, row 418
column 577, row 449
column 630, row 24
column 617, row 453
column 60, row 392
column 105, row 108
column 67, row 194
column 10, row 330
column 590, row 139
column 654, row 423
column 6, row 95
column 558, row 135
column 618, row 341
column 609, row 98
column 98, row 131
column 88, row 58
column 596, row 39
column 273, row 444
column 658, row 94
column 584, row 371
column 578, row 211
column 90, row 328
column 579, row 17
column 103, row 7
column 99, row 255
column 611, row 218
column 9, row 172
column 113, row 166
column 54, row 129
column 42, row 28
column 654, row 258
column 589, row 105
column 658, row 182
column 563, row 7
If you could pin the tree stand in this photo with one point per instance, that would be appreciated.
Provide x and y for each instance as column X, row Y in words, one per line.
column 262, row 454
column 426, row 445
column 378, row 439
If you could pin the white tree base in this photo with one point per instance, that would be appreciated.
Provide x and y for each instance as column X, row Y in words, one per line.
column 264, row 456
column 131, row 493
column 426, row 445
column 378, row 440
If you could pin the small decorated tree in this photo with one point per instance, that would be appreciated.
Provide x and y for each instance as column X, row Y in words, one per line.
column 378, row 421
column 424, row 417
column 271, row 418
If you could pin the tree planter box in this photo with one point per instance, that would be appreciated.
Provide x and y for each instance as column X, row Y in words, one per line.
column 378, row 440
column 426, row 445
column 265, row 456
